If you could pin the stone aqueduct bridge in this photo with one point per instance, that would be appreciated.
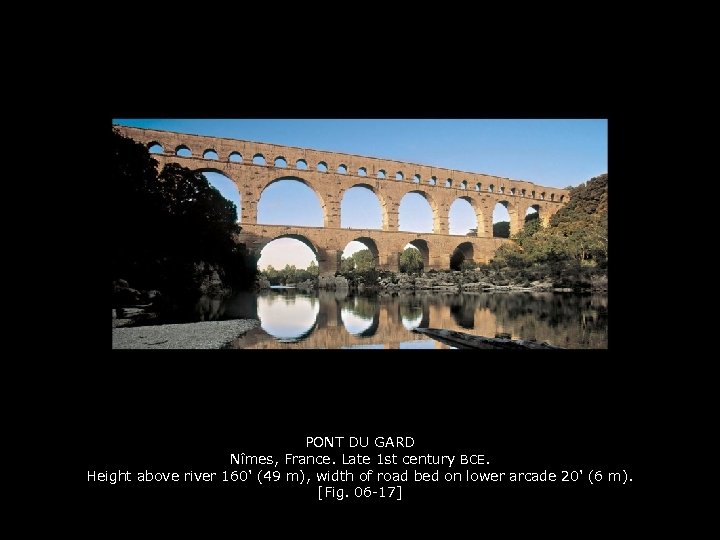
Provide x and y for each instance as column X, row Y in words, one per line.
column 331, row 174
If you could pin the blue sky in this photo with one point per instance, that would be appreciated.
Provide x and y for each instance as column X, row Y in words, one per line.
column 556, row 153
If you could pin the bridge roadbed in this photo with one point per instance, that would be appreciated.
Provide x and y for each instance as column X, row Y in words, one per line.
column 198, row 335
column 469, row 341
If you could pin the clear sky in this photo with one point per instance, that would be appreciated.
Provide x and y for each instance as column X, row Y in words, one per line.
column 558, row 153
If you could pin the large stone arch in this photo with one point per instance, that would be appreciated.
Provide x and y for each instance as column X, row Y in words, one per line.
column 465, row 251
column 327, row 212
column 544, row 210
column 216, row 169
column 295, row 236
column 380, row 197
column 223, row 172
column 479, row 214
column 434, row 207
column 424, row 250
column 372, row 246
column 516, row 221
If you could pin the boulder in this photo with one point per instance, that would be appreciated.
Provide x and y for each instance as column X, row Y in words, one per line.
column 263, row 283
column 125, row 296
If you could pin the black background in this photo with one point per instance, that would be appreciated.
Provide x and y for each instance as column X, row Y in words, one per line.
column 176, row 411
column 179, row 410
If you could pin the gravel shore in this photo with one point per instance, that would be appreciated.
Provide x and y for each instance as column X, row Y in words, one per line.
column 199, row 335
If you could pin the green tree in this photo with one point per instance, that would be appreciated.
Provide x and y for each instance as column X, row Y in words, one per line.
column 290, row 273
column 364, row 260
column 501, row 229
column 171, row 228
column 576, row 235
column 411, row 261
column 347, row 264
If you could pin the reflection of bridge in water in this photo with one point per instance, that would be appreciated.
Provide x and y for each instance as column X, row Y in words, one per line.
column 389, row 317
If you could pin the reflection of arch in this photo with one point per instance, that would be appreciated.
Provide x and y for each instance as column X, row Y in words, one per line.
column 287, row 330
column 351, row 305
column 464, row 252
column 378, row 196
column 431, row 202
column 425, row 321
column 302, row 181
column 304, row 335
column 329, row 310
column 372, row 329
column 462, row 311
column 424, row 250
column 415, row 304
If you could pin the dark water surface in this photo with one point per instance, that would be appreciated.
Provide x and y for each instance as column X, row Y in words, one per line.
column 291, row 319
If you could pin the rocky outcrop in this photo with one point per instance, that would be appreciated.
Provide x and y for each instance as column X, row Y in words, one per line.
column 308, row 285
column 212, row 285
column 333, row 283
column 124, row 295
column 473, row 281
column 263, row 283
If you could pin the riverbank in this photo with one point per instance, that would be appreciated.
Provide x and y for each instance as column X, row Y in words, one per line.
column 199, row 335
column 454, row 281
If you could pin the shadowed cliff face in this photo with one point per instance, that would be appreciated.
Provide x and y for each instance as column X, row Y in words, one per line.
column 291, row 320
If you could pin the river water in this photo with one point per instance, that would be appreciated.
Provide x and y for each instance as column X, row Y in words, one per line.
column 290, row 319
